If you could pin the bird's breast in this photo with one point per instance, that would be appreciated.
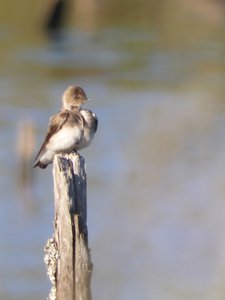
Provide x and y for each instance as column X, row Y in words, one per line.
column 65, row 139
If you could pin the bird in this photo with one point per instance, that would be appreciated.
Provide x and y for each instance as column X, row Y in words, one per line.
column 72, row 129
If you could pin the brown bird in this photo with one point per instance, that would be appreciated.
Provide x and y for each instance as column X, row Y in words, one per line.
column 73, row 128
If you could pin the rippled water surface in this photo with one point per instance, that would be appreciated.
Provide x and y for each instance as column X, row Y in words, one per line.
column 156, row 186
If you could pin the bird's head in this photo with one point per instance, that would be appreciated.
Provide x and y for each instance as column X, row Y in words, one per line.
column 73, row 97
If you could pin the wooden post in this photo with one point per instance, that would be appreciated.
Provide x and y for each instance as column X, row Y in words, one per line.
column 67, row 255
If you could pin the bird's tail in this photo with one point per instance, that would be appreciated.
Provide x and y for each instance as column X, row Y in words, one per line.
column 40, row 165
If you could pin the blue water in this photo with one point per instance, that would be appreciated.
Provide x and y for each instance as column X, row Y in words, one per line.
column 156, row 167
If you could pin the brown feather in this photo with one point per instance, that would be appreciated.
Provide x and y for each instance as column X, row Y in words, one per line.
column 56, row 122
column 54, row 126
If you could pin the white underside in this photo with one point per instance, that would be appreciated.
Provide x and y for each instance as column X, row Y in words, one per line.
column 65, row 140
column 69, row 138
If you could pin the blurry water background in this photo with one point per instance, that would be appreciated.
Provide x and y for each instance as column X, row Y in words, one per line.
column 155, row 71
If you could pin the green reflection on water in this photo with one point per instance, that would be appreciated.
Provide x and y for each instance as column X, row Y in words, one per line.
column 161, row 44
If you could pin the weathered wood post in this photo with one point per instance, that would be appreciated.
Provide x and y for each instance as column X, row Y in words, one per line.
column 67, row 255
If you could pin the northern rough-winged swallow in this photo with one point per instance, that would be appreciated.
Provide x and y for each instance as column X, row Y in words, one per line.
column 73, row 128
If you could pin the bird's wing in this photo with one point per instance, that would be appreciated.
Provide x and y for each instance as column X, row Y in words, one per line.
column 95, row 123
column 55, row 124
column 94, row 120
